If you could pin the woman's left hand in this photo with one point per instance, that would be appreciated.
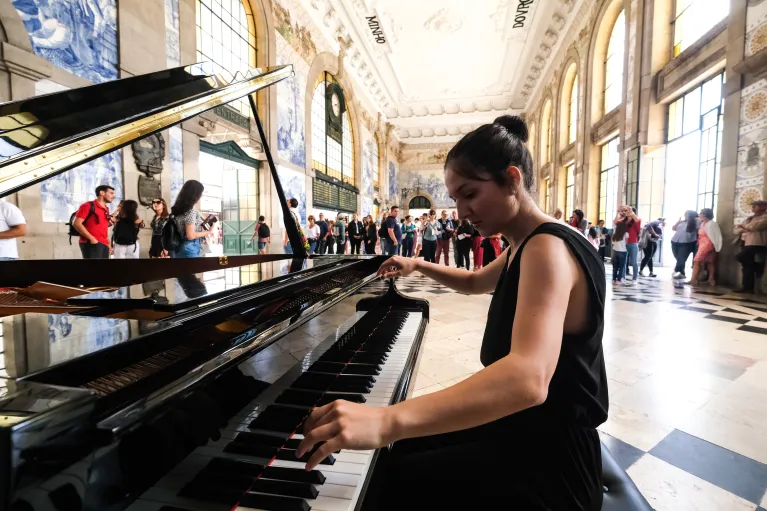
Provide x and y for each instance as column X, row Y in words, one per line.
column 345, row 425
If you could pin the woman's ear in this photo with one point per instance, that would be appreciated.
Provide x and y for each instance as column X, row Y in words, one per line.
column 514, row 175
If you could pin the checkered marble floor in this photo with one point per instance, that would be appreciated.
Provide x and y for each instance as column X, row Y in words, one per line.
column 687, row 376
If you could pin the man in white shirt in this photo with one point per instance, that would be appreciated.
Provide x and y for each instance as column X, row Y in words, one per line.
column 12, row 225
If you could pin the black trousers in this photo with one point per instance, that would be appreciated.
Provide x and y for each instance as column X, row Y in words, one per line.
column 341, row 247
column 457, row 254
column 464, row 250
column 370, row 247
column 356, row 244
column 752, row 260
column 97, row 251
column 429, row 250
column 553, row 471
column 330, row 242
column 322, row 246
column 649, row 253
column 681, row 253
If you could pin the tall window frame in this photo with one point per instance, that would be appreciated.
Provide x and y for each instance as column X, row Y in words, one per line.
column 572, row 116
column 569, row 188
column 226, row 37
column 546, row 203
column 702, row 110
column 692, row 19
column 608, row 181
column 328, row 156
column 546, row 132
column 614, row 60
column 376, row 177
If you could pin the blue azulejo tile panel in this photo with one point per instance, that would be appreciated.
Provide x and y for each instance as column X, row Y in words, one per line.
column 728, row 470
column 625, row 454
column 294, row 186
column 75, row 35
column 291, row 110
column 62, row 194
column 393, row 185
column 369, row 161
column 172, row 51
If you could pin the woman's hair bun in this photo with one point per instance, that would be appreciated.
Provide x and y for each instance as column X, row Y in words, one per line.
column 514, row 125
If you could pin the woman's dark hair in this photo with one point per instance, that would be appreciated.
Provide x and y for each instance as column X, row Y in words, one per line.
column 293, row 202
column 708, row 213
column 486, row 153
column 432, row 212
column 466, row 222
column 128, row 210
column 593, row 232
column 579, row 214
column 620, row 231
column 165, row 212
column 692, row 220
column 188, row 196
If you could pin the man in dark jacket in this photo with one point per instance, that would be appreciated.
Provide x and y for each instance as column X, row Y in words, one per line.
column 356, row 231
column 322, row 243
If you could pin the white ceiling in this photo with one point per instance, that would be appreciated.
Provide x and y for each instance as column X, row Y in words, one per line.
column 447, row 66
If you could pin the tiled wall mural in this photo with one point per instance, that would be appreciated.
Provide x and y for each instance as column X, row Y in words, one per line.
column 368, row 161
column 62, row 194
column 756, row 26
column 426, row 158
column 751, row 149
column 172, row 51
column 367, row 206
column 75, row 35
column 291, row 22
column 294, row 185
column 431, row 181
column 291, row 110
column 176, row 154
column 393, row 185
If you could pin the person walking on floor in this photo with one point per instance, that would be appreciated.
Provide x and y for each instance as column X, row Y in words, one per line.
column 340, row 235
column 371, row 235
column 12, row 225
column 92, row 221
column 430, row 235
column 312, row 234
column 408, row 236
column 188, row 221
column 652, row 234
column 264, row 234
column 709, row 243
column 322, row 243
column 685, row 241
column 393, row 241
column 463, row 243
column 633, row 224
column 125, row 233
column 356, row 232
column 619, row 238
column 753, row 236
column 446, row 229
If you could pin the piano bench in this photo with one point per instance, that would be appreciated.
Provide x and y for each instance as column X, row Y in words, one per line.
column 620, row 492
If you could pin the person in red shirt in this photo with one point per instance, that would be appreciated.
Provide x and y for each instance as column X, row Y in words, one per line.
column 92, row 221
column 627, row 215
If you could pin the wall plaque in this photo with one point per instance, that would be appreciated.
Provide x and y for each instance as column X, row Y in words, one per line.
column 148, row 189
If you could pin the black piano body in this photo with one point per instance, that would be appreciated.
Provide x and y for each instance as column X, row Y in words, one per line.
column 182, row 384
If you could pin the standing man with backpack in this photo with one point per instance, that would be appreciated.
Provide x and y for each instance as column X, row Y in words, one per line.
column 92, row 221
column 322, row 243
column 264, row 234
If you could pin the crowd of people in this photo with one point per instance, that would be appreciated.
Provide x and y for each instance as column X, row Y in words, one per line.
column 424, row 236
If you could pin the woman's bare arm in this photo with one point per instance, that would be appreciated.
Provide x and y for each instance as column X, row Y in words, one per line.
column 517, row 382
column 478, row 282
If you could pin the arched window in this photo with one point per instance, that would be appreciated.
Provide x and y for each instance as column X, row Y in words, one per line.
column 614, row 64
column 419, row 202
column 572, row 119
column 693, row 18
column 226, row 36
column 546, row 133
column 329, row 156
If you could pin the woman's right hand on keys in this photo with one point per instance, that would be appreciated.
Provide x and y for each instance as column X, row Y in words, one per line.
column 397, row 266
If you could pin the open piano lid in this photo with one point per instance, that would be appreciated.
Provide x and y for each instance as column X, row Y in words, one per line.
column 46, row 135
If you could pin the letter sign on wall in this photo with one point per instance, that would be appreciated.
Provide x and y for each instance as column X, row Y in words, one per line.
column 375, row 29
column 521, row 15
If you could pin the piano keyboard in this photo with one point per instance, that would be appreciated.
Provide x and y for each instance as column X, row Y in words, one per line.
column 253, row 465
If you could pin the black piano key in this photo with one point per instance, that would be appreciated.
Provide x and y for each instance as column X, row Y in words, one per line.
column 299, row 397
column 173, row 508
column 280, row 418
column 362, row 369
column 227, row 466
column 297, row 475
column 344, row 386
column 290, row 455
column 363, row 357
column 257, row 438
column 229, row 481
column 329, row 397
column 213, row 493
column 247, row 449
column 293, row 443
column 286, row 488
column 273, row 502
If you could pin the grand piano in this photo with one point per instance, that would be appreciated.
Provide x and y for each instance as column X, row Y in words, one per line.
column 182, row 385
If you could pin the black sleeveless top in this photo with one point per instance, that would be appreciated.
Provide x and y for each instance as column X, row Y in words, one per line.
column 577, row 393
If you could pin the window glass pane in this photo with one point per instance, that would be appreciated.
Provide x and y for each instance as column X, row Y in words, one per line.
column 712, row 94
column 693, row 18
column 614, row 64
column 691, row 111
column 573, row 111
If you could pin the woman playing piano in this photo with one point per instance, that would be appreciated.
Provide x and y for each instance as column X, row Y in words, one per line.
column 522, row 431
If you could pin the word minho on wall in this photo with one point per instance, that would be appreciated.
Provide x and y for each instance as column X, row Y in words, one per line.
column 375, row 29
column 522, row 9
